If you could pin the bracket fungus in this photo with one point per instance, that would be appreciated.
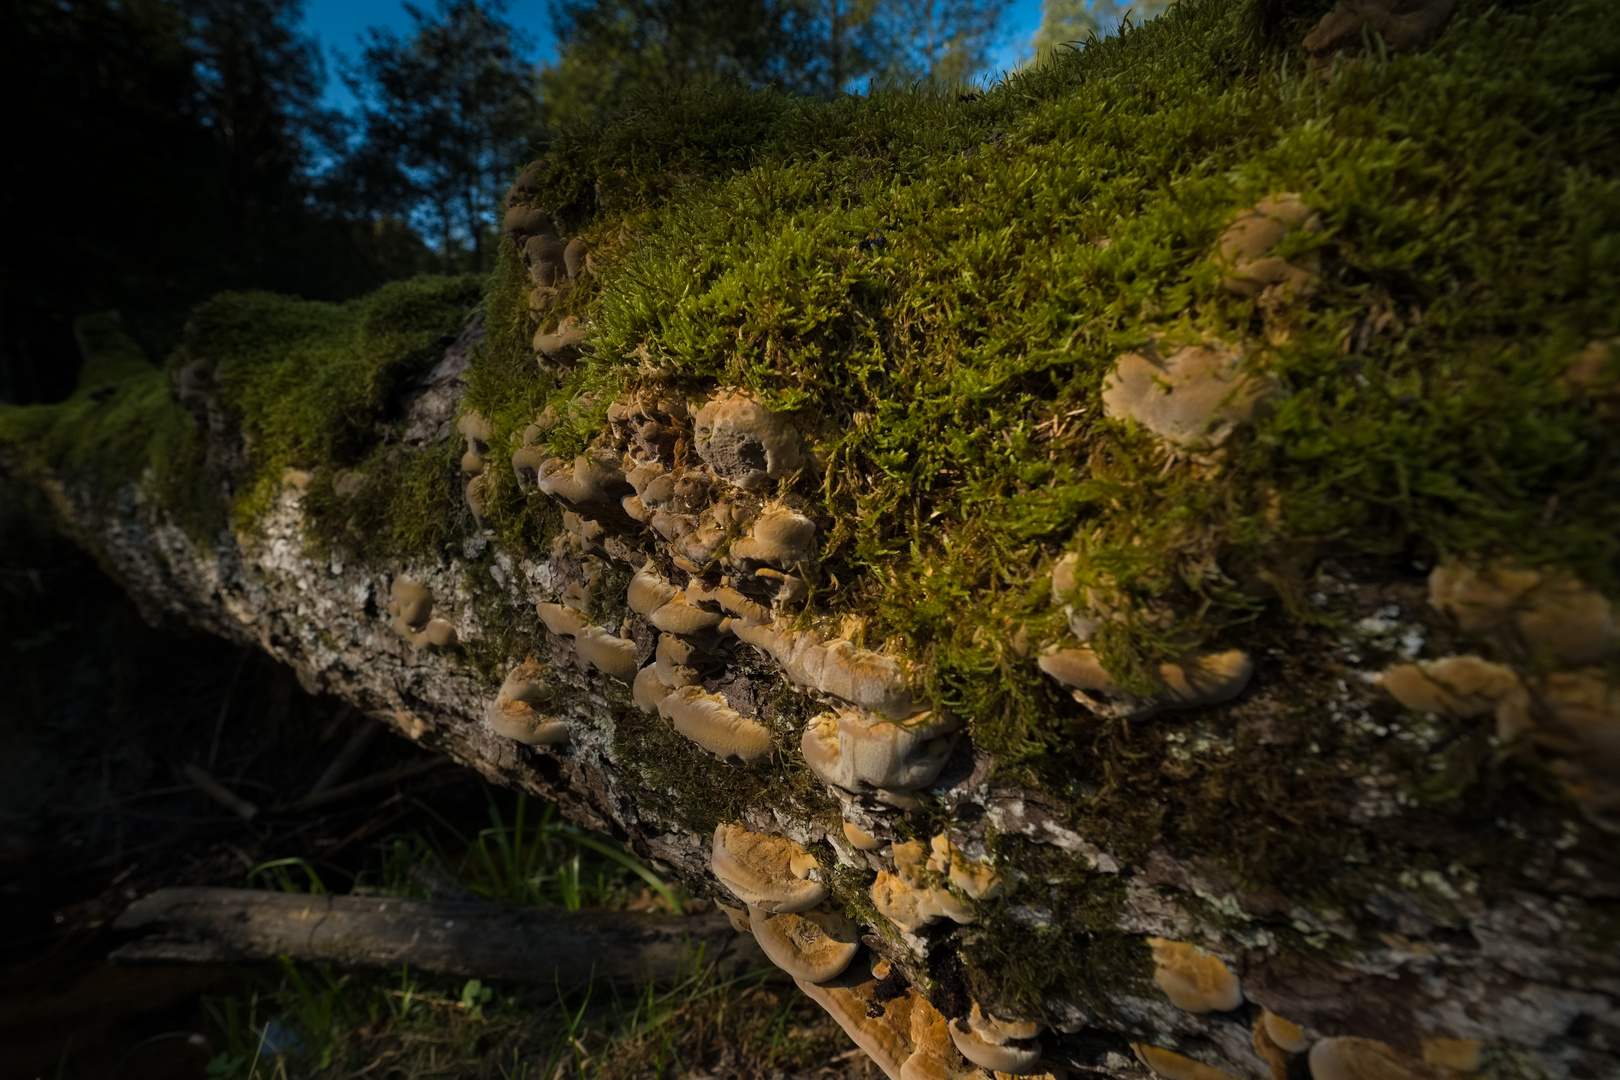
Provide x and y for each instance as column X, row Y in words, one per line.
column 779, row 537
column 1173, row 1066
column 979, row 881
column 1207, row 678
column 1549, row 616
column 562, row 341
column 860, row 839
column 1350, row 1058
column 862, row 752
column 1193, row 980
column 745, row 443
column 544, row 253
column 915, row 895
column 813, row 946
column 1245, row 248
column 839, row 668
column 1460, row 686
column 771, row 873
column 608, row 653
column 1016, row 1057
column 1194, row 399
column 707, row 720
column 882, row 1030
column 410, row 604
column 1286, row 1034
column 515, row 713
column 592, row 484
column 1401, row 24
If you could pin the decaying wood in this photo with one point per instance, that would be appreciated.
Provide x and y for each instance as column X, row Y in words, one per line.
column 464, row 939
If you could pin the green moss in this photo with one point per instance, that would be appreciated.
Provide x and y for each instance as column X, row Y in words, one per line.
column 936, row 289
column 1056, row 935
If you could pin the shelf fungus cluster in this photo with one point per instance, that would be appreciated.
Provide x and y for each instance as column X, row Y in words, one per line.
column 553, row 265
column 1550, row 638
column 910, row 1039
column 788, row 913
column 931, row 883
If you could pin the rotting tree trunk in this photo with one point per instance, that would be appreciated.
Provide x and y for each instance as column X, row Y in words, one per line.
column 1406, row 967
column 1383, row 795
column 567, row 950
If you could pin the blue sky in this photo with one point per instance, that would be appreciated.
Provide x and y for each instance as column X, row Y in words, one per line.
column 338, row 24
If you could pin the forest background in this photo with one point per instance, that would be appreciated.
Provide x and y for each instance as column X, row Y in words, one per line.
column 160, row 151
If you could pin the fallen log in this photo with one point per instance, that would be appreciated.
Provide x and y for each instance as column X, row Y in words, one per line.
column 465, row 939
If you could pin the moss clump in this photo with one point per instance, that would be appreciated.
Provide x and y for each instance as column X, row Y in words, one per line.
column 311, row 387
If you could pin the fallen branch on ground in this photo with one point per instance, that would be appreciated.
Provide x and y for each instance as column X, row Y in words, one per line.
column 547, row 947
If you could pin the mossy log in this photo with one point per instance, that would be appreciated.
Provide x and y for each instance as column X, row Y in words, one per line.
column 1139, row 543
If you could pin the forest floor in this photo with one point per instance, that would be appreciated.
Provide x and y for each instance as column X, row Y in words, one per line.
column 100, row 717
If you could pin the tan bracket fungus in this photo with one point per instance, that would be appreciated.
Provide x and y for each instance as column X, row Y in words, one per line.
column 1349, row 1058
column 1194, row 399
column 563, row 340
column 839, row 668
column 707, row 720
column 915, row 895
column 1193, row 980
column 779, row 537
column 811, row 946
column 1460, row 686
column 771, row 873
column 864, row 753
column 474, row 462
column 1549, row 616
column 1401, row 24
column 411, row 606
column 1245, row 249
column 515, row 712
column 1173, row 1066
column 1001, row 1046
column 592, row 484
column 745, row 443
column 1207, row 678
column 612, row 655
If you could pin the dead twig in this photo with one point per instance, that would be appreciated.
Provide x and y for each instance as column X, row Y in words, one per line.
column 221, row 794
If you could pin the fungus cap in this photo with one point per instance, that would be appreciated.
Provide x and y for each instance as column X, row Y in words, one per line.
column 1193, row 399
column 861, row 751
column 758, row 869
column 707, row 720
column 779, row 537
column 1013, row 1058
column 884, row 1037
column 1173, row 1066
column 1193, row 980
column 411, row 601
column 860, row 839
column 912, row 908
column 612, row 655
column 566, row 338
column 1400, row 24
column 814, row 946
column 574, row 256
column 515, row 712
column 978, row 880
column 678, row 616
column 993, row 1030
column 745, row 443
column 564, row 621
column 648, row 592
column 648, row 689
column 1285, row 1033
column 1350, row 1058
column 1460, row 686
column 1554, row 616
column 1245, row 248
